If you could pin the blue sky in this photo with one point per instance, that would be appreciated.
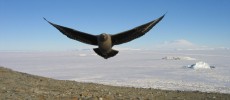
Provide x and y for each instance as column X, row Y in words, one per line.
column 187, row 24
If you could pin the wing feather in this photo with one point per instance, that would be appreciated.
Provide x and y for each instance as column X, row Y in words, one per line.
column 76, row 35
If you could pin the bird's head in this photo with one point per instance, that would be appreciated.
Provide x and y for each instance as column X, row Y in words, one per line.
column 103, row 36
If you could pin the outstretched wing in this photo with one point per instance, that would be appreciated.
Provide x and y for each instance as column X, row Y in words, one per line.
column 134, row 33
column 76, row 35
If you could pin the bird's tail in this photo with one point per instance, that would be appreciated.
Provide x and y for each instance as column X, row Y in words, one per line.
column 108, row 55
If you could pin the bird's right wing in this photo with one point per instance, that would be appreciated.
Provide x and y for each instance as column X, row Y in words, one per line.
column 134, row 33
column 76, row 35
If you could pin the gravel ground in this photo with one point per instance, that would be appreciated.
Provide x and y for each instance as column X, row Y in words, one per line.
column 21, row 86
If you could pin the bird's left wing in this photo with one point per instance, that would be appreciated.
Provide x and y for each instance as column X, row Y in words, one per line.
column 134, row 33
column 76, row 35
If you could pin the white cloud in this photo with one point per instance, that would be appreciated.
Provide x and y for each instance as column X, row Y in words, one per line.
column 183, row 44
column 176, row 44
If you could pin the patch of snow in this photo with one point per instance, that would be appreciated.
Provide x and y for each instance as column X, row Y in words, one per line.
column 178, row 58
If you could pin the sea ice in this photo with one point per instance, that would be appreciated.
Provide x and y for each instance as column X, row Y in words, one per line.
column 135, row 68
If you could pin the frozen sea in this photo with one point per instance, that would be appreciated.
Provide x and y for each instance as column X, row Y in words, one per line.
column 134, row 68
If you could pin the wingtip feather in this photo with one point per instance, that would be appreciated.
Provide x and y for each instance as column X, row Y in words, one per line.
column 44, row 18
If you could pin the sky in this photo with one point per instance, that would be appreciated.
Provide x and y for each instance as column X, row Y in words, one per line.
column 188, row 24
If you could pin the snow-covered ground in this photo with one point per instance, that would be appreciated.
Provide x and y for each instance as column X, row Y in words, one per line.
column 138, row 68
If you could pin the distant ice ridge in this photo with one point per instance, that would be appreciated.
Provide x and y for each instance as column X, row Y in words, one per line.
column 200, row 65
column 178, row 58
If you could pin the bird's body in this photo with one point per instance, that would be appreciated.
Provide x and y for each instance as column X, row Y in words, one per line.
column 105, row 41
column 105, row 46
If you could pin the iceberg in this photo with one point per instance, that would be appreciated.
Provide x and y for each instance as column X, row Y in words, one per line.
column 200, row 65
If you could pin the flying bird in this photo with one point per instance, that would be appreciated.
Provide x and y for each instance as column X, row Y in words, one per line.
column 105, row 41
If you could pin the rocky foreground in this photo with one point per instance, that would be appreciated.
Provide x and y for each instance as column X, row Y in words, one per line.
column 21, row 86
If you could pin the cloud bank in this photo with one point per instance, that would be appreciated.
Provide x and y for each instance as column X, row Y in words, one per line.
column 182, row 44
column 176, row 44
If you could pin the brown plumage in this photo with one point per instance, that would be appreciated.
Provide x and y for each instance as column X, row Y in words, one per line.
column 104, row 41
